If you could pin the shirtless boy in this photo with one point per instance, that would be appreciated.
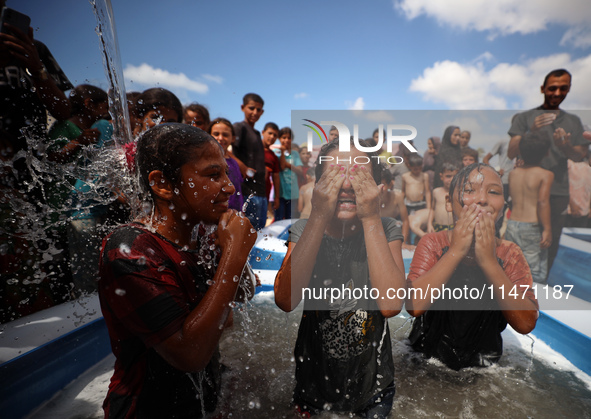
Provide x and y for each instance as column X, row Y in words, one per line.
column 392, row 204
column 439, row 217
column 305, row 201
column 415, row 185
column 529, row 188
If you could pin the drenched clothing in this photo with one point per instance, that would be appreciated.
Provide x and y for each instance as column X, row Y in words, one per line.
column 472, row 336
column 147, row 288
column 343, row 352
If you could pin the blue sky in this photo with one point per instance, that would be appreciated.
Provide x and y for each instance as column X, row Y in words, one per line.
column 324, row 54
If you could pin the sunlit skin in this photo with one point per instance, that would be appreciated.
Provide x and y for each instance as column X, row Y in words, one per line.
column 223, row 135
column 252, row 112
column 159, row 115
column 555, row 91
column 269, row 136
column 200, row 194
column 455, row 137
column 195, row 119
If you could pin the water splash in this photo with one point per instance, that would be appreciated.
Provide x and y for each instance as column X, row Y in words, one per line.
column 107, row 33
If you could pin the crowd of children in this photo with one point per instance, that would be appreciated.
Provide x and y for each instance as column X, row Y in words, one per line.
column 354, row 221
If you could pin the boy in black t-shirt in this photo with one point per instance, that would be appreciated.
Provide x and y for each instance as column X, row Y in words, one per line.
column 248, row 149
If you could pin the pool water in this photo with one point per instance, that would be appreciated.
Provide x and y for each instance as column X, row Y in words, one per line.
column 258, row 351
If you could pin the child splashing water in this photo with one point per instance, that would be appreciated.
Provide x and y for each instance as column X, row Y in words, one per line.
column 343, row 352
column 466, row 331
column 165, row 309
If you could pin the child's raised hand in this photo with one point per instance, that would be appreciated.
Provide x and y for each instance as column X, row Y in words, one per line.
column 486, row 242
column 546, row 239
column 234, row 228
column 367, row 193
column 462, row 234
column 326, row 190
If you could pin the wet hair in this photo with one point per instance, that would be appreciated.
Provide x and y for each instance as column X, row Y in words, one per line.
column 470, row 152
column 376, row 167
column 199, row 110
column 223, row 121
column 286, row 130
column 556, row 73
column 461, row 178
column 271, row 125
column 449, row 166
column 157, row 96
column 252, row 97
column 533, row 147
column 86, row 91
column 167, row 147
column 415, row 159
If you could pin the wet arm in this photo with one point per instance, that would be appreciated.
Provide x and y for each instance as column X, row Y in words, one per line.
column 297, row 267
column 385, row 265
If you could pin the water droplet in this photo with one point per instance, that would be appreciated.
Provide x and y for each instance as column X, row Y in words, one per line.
column 183, row 216
column 191, row 185
column 183, row 263
column 236, row 278
column 210, row 282
column 120, row 292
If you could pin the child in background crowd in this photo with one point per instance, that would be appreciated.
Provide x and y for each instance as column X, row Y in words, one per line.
column 529, row 188
column 154, row 106
column 466, row 332
column 248, row 148
column 291, row 167
column 196, row 115
column 223, row 131
column 469, row 156
column 433, row 144
column 439, row 217
column 415, row 185
column 392, row 204
column 272, row 168
column 306, row 191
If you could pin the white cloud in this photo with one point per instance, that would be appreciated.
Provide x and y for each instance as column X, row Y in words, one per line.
column 473, row 86
column 302, row 95
column 147, row 75
column 211, row 77
column 358, row 105
column 504, row 17
column 379, row 116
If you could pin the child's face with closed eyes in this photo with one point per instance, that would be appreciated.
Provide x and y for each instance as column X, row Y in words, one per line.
column 484, row 188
